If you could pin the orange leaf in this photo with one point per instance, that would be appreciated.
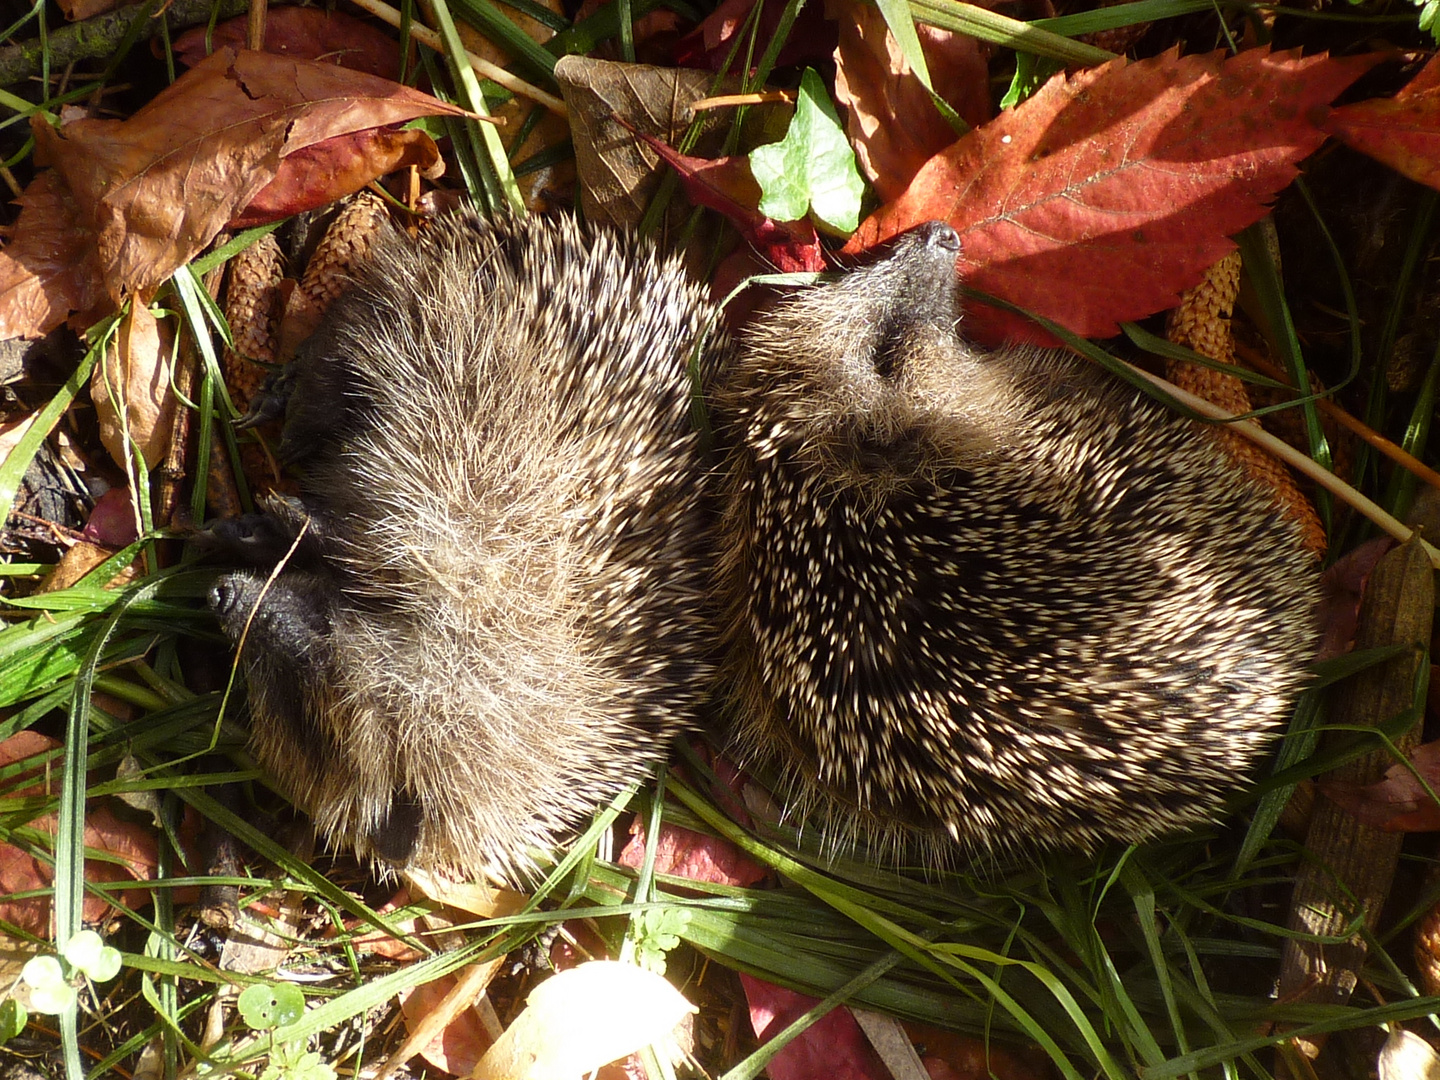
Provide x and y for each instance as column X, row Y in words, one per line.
column 1113, row 189
column 1403, row 131
column 890, row 116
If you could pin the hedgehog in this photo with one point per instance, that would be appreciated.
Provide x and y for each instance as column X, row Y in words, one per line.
column 486, row 612
column 987, row 601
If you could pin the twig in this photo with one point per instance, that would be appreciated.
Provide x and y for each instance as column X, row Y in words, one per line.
column 1296, row 460
column 97, row 37
column 1359, row 428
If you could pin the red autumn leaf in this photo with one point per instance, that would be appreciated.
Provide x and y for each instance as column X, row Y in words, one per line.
column 832, row 1048
column 154, row 189
column 330, row 170
column 1111, row 190
column 682, row 852
column 1398, row 801
column 132, row 847
column 1403, row 131
column 301, row 33
column 891, row 119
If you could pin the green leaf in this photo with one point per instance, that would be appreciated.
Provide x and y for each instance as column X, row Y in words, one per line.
column 1031, row 73
column 265, row 1008
column 659, row 930
column 291, row 1061
column 13, row 1019
column 812, row 170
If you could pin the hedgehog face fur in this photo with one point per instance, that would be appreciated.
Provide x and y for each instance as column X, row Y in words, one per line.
column 491, row 608
column 993, row 598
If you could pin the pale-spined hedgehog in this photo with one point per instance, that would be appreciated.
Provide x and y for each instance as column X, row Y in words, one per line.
column 993, row 598
column 494, row 614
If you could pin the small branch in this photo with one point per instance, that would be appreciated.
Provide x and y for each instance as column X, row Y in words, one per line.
column 1357, row 427
column 1296, row 460
column 100, row 36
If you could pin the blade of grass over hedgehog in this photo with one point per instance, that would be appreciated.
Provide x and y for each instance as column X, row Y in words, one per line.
column 500, row 190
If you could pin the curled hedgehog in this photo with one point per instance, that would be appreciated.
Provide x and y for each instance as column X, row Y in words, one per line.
column 486, row 613
column 989, row 598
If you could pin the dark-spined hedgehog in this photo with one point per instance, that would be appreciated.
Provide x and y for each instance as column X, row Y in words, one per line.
column 993, row 598
column 494, row 612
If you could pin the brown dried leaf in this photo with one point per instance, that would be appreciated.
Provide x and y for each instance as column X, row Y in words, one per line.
column 131, row 389
column 618, row 176
column 891, row 119
column 158, row 186
column 48, row 268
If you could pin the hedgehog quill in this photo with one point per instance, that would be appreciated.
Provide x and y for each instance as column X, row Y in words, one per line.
column 993, row 599
column 494, row 616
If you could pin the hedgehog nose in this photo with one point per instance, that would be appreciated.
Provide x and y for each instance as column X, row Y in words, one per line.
column 938, row 234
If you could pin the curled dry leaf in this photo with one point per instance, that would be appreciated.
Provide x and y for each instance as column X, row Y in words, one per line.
column 154, row 189
column 1406, row 1056
column 1403, row 131
column 891, row 119
column 132, row 847
column 320, row 174
column 583, row 1018
column 1129, row 172
column 131, row 389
